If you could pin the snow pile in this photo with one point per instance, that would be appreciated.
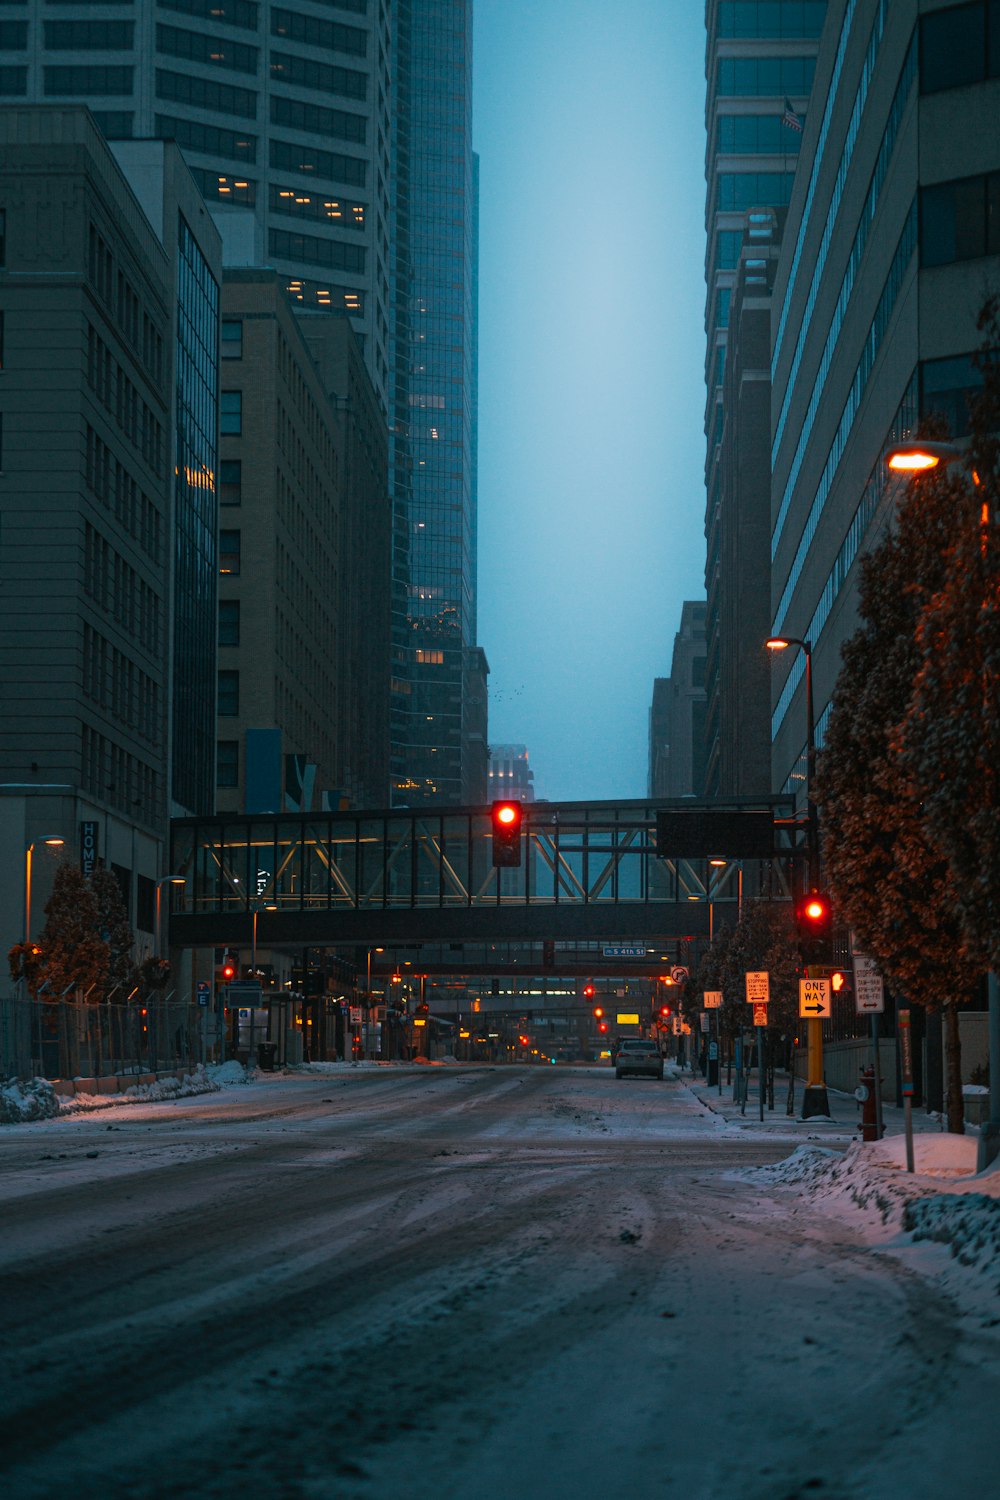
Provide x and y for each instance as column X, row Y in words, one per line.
column 226, row 1075
column 943, row 1200
column 198, row 1082
column 35, row 1099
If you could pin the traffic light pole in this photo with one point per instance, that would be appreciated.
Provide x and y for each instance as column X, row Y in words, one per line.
column 814, row 1096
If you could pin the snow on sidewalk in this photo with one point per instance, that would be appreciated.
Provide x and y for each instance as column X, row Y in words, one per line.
column 944, row 1200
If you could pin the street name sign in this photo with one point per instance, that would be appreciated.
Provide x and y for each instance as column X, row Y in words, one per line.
column 869, row 991
column 711, row 999
column 758, row 985
column 619, row 950
column 814, row 999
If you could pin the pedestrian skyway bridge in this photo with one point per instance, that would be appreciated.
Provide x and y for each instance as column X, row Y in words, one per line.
column 589, row 872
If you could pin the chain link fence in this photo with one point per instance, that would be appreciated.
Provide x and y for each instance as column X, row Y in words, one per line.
column 86, row 1039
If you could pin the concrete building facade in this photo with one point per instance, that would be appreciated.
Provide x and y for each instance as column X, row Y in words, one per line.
column 304, row 558
column 90, row 553
column 677, row 713
column 889, row 251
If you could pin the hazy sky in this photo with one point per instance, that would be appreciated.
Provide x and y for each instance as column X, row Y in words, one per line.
column 589, row 122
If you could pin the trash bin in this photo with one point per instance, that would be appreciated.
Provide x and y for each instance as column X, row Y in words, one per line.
column 266, row 1053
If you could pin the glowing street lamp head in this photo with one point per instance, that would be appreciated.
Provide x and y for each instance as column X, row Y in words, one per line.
column 777, row 643
column 919, row 455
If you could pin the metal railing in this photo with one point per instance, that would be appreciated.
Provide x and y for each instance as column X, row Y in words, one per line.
column 74, row 1039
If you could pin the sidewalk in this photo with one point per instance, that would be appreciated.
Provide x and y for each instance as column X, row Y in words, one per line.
column 843, row 1126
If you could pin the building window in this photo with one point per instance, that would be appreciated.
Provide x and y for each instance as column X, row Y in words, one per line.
column 232, row 12
column 229, row 552
column 3, row 236
column 331, row 165
column 13, row 36
column 947, row 386
column 205, row 93
column 230, row 481
column 89, row 36
column 227, row 763
column 773, row 76
column 317, row 252
column 1, row 340
column 295, row 27
column 229, row 622
column 230, row 189
column 196, row 46
column 960, row 220
column 750, row 135
column 211, row 139
column 114, row 124
column 959, row 46
column 82, row 80
column 314, row 119
column 743, row 190
column 786, row 18
column 231, row 412
column 323, row 207
column 231, row 342
column 307, row 73
column 13, row 83
column 723, row 298
column 229, row 694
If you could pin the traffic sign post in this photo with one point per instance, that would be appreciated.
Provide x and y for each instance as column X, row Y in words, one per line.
column 711, row 999
column 758, row 987
column 906, row 1073
column 869, row 998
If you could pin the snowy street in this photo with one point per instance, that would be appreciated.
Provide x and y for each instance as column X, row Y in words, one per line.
column 471, row 1284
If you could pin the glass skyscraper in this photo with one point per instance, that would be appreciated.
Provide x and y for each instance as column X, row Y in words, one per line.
column 435, row 754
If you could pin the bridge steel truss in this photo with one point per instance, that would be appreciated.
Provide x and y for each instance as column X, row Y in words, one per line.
column 589, row 871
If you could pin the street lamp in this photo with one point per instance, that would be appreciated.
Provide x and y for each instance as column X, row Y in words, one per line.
column 158, row 929
column 913, row 458
column 52, row 841
column 267, row 906
column 814, row 1096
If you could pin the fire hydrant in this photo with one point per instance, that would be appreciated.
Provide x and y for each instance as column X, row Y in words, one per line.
column 865, row 1095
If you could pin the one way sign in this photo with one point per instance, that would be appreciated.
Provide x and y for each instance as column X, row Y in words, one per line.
column 814, row 998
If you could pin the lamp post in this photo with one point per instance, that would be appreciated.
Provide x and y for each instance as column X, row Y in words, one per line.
column 158, row 926
column 52, row 841
column 814, row 1096
column 267, row 906
column 918, row 457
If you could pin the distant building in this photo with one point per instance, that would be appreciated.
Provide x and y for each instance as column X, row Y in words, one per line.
column 304, row 561
column 760, row 61
column 677, row 714
column 510, row 776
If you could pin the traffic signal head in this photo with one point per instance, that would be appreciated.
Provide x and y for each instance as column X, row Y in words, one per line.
column 602, row 1027
column 814, row 920
column 505, row 818
column 588, row 991
column 228, row 971
column 664, row 1010
column 840, row 982
column 598, row 1011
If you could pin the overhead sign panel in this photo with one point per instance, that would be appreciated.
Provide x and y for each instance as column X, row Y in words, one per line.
column 624, row 950
column 699, row 834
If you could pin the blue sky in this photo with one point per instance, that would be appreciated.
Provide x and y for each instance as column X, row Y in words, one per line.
column 589, row 122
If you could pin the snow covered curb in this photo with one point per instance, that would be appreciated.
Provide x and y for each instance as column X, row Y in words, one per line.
column 943, row 1200
column 37, row 1099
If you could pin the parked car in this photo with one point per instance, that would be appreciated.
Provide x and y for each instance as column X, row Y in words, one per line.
column 638, row 1058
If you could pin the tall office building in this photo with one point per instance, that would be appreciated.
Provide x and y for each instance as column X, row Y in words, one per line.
column 281, row 111
column 439, row 675
column 509, row 774
column 890, row 246
column 107, row 449
column 760, row 60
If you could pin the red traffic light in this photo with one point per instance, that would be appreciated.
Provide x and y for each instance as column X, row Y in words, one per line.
column 814, row 910
column 598, row 1011
column 228, row 971
column 664, row 1010
column 505, row 819
column 602, row 1026
column 588, row 991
